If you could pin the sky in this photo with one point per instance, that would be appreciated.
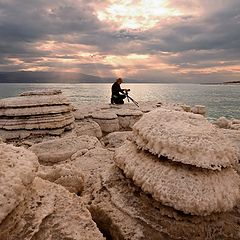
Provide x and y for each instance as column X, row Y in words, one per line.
column 157, row 41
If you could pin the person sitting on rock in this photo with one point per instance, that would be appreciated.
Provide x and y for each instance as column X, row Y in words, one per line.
column 118, row 94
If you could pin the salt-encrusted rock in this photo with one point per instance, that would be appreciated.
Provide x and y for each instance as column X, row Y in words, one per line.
column 191, row 190
column 32, row 100
column 41, row 92
column 64, row 174
column 222, row 122
column 58, row 150
column 108, row 121
column 184, row 137
column 116, row 139
column 123, row 211
column 127, row 118
column 199, row 109
column 49, row 212
column 18, row 168
column 35, row 113
column 32, row 111
column 88, row 127
column 52, row 121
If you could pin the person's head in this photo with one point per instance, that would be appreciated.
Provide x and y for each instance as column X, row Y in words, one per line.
column 119, row 80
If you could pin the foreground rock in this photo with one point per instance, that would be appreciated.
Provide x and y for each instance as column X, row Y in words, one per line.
column 188, row 189
column 124, row 211
column 49, row 212
column 36, row 209
column 17, row 171
column 35, row 113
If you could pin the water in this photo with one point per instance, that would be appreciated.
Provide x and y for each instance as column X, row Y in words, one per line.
column 221, row 100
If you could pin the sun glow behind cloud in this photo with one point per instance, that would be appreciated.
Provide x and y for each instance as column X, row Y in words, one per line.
column 138, row 39
column 135, row 15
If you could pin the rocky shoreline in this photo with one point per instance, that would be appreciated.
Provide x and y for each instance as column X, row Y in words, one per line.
column 158, row 171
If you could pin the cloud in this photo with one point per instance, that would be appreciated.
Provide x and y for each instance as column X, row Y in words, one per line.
column 194, row 40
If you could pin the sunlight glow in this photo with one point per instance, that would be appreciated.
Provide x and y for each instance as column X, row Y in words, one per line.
column 142, row 14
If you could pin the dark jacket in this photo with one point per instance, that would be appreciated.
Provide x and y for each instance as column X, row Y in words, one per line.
column 116, row 89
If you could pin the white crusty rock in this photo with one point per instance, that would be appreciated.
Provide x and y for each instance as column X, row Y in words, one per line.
column 64, row 174
column 35, row 113
column 87, row 127
column 108, row 121
column 51, row 121
column 196, row 191
column 36, row 110
column 127, row 118
column 49, row 212
column 18, row 168
column 184, row 137
column 33, row 100
column 62, row 149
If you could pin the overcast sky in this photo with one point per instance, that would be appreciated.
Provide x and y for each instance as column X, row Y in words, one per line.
column 159, row 40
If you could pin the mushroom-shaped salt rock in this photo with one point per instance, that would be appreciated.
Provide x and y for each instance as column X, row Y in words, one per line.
column 184, row 137
column 189, row 189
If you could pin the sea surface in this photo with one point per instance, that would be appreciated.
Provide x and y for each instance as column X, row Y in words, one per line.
column 220, row 100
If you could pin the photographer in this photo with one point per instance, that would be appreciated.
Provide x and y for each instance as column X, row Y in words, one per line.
column 118, row 94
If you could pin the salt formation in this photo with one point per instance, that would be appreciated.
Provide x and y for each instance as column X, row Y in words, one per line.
column 17, row 171
column 87, row 127
column 184, row 179
column 195, row 191
column 184, row 137
column 49, row 211
column 55, row 151
column 64, row 174
column 107, row 120
column 127, row 118
column 35, row 113
column 199, row 109
column 223, row 122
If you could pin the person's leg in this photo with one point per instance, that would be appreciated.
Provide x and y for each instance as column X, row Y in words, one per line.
column 119, row 99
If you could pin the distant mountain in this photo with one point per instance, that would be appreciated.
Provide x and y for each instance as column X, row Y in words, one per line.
column 50, row 77
column 232, row 82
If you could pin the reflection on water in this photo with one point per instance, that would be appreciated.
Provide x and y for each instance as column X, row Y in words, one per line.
column 221, row 100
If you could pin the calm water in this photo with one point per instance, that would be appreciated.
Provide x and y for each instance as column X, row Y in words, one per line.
column 221, row 100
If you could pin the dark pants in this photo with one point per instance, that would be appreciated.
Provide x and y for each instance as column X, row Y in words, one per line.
column 118, row 99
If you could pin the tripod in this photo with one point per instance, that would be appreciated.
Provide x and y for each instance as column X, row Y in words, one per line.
column 129, row 98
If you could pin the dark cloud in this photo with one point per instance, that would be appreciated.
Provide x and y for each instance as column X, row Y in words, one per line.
column 191, row 41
